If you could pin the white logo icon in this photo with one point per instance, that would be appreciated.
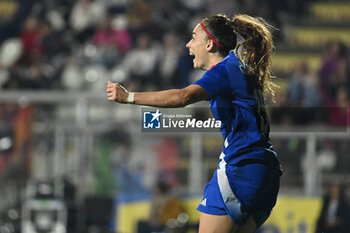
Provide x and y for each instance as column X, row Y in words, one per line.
column 204, row 202
column 151, row 120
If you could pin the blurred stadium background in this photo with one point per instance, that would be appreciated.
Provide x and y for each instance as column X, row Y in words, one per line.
column 70, row 161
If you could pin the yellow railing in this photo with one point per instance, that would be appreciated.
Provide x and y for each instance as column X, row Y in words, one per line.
column 289, row 213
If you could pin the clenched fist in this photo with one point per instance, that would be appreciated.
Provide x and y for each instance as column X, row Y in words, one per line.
column 116, row 92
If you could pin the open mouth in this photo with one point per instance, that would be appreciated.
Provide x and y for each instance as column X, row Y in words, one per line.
column 192, row 54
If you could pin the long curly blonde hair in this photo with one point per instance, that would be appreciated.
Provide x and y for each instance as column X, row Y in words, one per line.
column 256, row 49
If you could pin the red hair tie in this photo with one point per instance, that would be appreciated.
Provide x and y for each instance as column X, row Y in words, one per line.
column 210, row 36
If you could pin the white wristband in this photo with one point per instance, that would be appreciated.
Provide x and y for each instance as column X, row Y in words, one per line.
column 131, row 97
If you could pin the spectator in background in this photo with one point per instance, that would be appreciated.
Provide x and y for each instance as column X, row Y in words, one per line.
column 38, row 67
column 140, row 63
column 164, row 206
column 338, row 109
column 168, row 62
column 84, row 18
column 342, row 76
column 53, row 42
column 19, row 119
column 165, row 18
column 302, row 87
column 38, row 75
column 128, row 180
column 335, row 212
column 56, row 49
column 333, row 71
column 113, row 40
column 31, row 36
column 139, row 17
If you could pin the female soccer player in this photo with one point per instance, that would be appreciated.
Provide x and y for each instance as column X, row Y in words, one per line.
column 244, row 188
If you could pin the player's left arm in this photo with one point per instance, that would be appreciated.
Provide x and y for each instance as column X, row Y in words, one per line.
column 173, row 98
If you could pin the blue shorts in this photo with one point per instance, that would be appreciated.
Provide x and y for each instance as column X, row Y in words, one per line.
column 242, row 190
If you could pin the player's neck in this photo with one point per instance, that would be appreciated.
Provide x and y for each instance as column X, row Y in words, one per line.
column 213, row 60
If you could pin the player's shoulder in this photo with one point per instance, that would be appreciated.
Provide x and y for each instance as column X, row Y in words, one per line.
column 228, row 63
column 228, row 66
column 218, row 68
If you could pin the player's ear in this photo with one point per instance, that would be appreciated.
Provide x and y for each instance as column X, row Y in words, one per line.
column 210, row 45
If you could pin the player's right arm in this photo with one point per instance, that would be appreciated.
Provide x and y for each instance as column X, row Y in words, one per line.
column 173, row 98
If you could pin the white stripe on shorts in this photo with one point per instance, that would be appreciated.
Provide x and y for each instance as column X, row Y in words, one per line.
column 230, row 200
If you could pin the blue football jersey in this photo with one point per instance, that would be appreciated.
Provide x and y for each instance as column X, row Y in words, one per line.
column 236, row 99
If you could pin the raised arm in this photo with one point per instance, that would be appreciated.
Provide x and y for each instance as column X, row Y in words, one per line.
column 173, row 98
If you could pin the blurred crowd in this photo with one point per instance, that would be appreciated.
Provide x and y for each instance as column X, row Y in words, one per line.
column 326, row 88
column 335, row 211
column 80, row 44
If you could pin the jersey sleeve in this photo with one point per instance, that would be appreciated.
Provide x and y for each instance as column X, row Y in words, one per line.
column 215, row 82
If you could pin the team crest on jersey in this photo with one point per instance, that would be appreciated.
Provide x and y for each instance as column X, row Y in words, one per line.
column 152, row 120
